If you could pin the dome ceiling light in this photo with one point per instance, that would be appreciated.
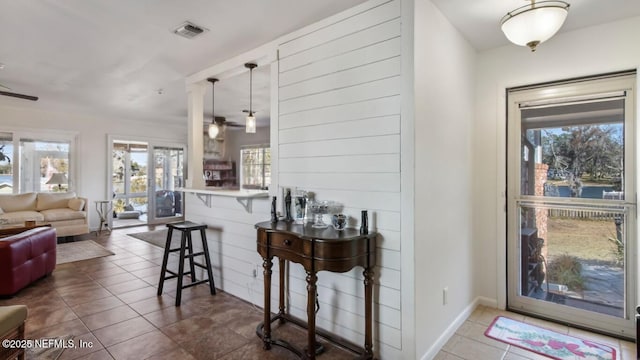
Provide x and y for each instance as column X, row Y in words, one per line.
column 533, row 24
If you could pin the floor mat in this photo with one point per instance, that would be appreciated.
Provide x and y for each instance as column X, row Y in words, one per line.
column 547, row 342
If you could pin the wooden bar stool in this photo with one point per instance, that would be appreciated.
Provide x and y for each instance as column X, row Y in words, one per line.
column 186, row 243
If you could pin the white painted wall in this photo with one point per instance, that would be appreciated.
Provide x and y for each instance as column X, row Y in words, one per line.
column 594, row 50
column 92, row 142
column 444, row 121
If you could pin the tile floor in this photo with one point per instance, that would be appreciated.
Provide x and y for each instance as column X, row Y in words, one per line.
column 111, row 302
column 469, row 342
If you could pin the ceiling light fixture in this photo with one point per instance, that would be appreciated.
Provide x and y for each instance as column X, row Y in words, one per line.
column 533, row 24
column 251, row 119
column 213, row 128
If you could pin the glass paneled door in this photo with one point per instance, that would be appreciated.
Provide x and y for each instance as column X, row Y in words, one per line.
column 571, row 204
column 167, row 204
column 129, row 182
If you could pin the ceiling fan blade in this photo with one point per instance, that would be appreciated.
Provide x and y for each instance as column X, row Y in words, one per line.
column 20, row 96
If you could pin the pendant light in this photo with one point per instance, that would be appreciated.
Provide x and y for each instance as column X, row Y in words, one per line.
column 251, row 119
column 533, row 24
column 213, row 128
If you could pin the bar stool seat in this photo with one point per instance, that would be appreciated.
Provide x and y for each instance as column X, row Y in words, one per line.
column 186, row 252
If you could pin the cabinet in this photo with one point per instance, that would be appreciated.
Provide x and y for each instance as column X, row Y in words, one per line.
column 220, row 173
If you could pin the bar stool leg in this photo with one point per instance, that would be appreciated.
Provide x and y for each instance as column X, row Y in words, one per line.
column 191, row 266
column 165, row 259
column 207, row 260
column 183, row 240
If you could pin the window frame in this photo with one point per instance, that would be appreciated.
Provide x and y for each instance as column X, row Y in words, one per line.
column 263, row 148
column 42, row 135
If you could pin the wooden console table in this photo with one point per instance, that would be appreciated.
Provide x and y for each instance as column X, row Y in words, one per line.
column 316, row 250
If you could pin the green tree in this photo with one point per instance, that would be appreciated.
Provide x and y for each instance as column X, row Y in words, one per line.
column 594, row 150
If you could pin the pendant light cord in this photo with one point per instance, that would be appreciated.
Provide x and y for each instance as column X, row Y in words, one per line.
column 250, row 66
column 213, row 99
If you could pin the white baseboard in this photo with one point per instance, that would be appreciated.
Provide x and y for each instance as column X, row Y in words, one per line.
column 459, row 320
column 488, row 302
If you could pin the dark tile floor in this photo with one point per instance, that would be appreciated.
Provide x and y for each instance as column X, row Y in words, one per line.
column 111, row 302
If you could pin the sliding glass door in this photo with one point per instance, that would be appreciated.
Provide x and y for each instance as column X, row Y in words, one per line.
column 168, row 175
column 129, row 179
column 145, row 177
column 572, row 202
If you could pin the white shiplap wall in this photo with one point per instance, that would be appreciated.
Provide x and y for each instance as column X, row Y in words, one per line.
column 339, row 137
column 231, row 238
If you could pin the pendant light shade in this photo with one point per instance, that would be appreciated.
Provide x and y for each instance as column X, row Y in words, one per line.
column 213, row 131
column 213, row 128
column 251, row 123
column 251, row 119
column 533, row 24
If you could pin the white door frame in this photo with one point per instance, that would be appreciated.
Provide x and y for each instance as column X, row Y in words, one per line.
column 621, row 327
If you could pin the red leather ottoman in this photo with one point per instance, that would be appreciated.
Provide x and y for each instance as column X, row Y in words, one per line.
column 26, row 257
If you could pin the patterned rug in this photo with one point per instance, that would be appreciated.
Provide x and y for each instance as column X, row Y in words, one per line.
column 546, row 342
column 158, row 238
column 80, row 250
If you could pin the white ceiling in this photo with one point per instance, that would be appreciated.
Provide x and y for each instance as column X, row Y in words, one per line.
column 111, row 57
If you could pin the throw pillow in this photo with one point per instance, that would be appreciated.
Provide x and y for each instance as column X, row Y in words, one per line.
column 57, row 200
column 128, row 207
column 76, row 204
column 1, row 211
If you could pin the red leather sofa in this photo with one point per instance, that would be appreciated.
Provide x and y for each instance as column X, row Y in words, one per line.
column 25, row 258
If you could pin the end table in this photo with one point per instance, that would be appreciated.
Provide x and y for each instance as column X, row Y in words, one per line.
column 103, row 208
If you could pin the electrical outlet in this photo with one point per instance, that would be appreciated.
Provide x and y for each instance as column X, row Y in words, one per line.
column 256, row 270
column 445, row 296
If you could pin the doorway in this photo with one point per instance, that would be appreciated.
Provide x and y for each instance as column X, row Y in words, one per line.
column 145, row 181
column 571, row 223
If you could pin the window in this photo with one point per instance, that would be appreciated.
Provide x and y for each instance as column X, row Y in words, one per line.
column 28, row 162
column 256, row 167
column 6, row 166
column 39, row 160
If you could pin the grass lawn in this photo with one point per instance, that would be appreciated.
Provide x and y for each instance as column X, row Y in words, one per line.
column 585, row 239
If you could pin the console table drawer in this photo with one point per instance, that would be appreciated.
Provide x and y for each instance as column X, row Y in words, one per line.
column 290, row 243
column 284, row 245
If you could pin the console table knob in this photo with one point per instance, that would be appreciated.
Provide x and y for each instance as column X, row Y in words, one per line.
column 287, row 242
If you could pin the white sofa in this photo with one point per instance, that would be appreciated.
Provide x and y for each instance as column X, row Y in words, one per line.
column 66, row 212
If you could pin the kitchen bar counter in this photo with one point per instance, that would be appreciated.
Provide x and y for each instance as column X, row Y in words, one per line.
column 244, row 197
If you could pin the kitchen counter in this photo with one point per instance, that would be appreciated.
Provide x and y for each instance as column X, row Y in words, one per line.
column 244, row 197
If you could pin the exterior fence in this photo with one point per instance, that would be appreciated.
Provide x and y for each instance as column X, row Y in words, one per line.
column 583, row 214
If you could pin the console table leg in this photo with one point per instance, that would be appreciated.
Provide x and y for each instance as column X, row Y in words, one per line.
column 266, row 337
column 281, row 309
column 368, row 312
column 312, row 278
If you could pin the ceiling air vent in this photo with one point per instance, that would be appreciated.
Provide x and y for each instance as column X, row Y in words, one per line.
column 189, row 30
